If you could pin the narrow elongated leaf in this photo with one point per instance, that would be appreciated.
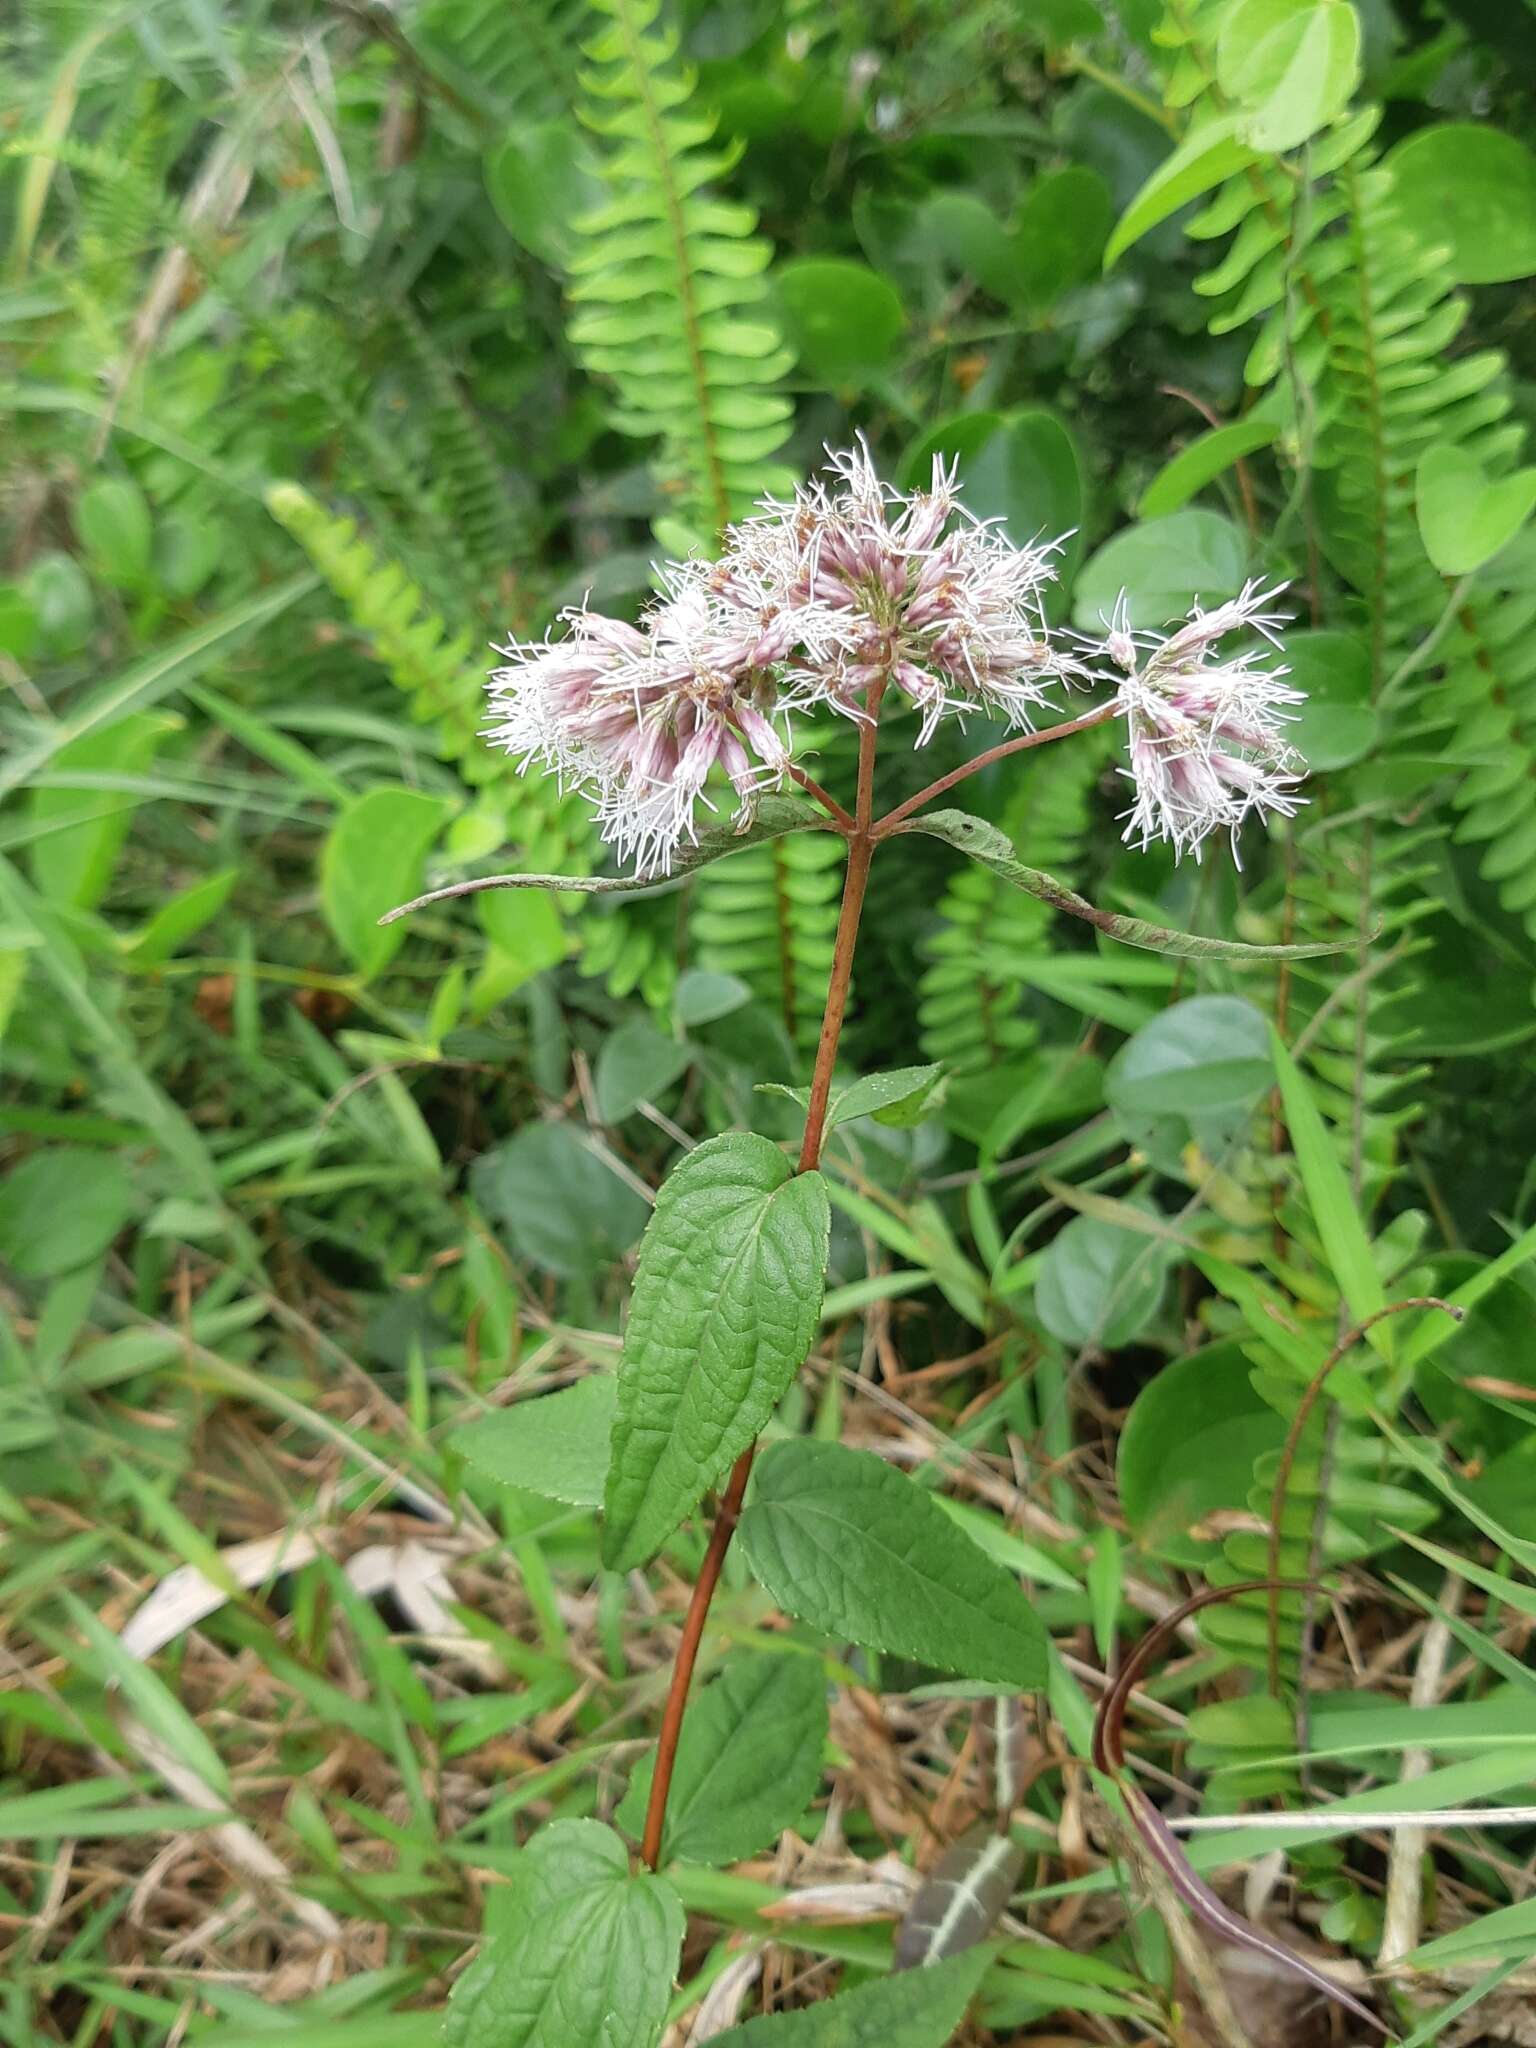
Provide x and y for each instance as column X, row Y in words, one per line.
column 1204, row 158
column 583, row 1952
column 864, row 1554
column 917, row 2010
column 775, row 817
column 1333, row 1207
column 992, row 849
column 748, row 1762
column 726, row 1304
column 556, row 1446
column 961, row 1900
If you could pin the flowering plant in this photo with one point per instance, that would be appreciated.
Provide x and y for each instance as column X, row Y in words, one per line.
column 864, row 602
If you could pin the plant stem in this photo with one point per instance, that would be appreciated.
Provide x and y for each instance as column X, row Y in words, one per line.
column 861, row 847
column 892, row 819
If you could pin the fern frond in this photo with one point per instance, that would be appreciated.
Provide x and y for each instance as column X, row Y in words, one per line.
column 514, row 60
column 667, row 285
column 969, row 1005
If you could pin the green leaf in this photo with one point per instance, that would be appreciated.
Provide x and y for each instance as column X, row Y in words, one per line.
column 1293, row 68
column 1338, row 724
column 774, row 818
column 899, row 1098
column 541, row 178
column 73, row 863
column 748, row 1763
column 116, row 531
column 559, row 1205
column 1161, row 567
column 581, row 1952
column 150, row 1698
column 842, row 319
column 1334, row 1209
column 1465, row 516
column 1194, row 1071
column 1188, row 1448
column 1099, row 1284
column 703, row 996
column 915, row 2009
column 1470, row 185
column 62, row 1208
column 861, row 1552
column 373, row 855
column 1059, row 232
column 726, row 1304
column 989, row 848
column 637, row 1064
column 556, row 1445
column 1020, row 468
column 176, row 921
column 1206, row 458
column 1207, row 156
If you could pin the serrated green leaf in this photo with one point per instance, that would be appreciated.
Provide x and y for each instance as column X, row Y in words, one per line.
column 582, row 1951
column 556, row 1445
column 899, row 1097
column 748, row 1763
column 859, row 1550
column 726, row 1305
column 915, row 2009
column 989, row 848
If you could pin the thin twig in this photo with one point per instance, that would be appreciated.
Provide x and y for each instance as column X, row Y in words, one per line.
column 892, row 819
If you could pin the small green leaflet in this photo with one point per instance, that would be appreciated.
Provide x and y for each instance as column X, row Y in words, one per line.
column 900, row 1097
column 726, row 1304
column 776, row 816
column 748, row 1763
column 583, row 1952
column 556, row 1445
column 864, row 1554
column 992, row 849
column 917, row 2009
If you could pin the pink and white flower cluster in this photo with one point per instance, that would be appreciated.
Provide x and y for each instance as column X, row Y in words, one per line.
column 847, row 590
column 1207, row 738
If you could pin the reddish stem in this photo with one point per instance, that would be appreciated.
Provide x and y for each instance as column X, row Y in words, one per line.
column 861, row 846
column 892, row 819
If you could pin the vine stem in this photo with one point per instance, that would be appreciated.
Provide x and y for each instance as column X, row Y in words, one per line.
column 861, row 848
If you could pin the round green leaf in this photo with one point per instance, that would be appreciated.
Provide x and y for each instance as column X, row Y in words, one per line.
column 842, row 318
column 1059, row 232
column 61, row 1208
column 555, row 1445
column 541, row 178
column 971, row 241
column 1188, row 1448
column 59, row 592
column 1338, row 723
column 559, row 1206
column 1162, row 565
column 1020, row 468
column 1100, row 1284
column 1474, row 187
column 637, row 1064
column 372, row 861
column 1465, row 517
column 1294, row 67
column 116, row 531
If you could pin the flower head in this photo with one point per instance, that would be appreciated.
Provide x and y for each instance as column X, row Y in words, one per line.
column 637, row 716
column 1206, row 736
